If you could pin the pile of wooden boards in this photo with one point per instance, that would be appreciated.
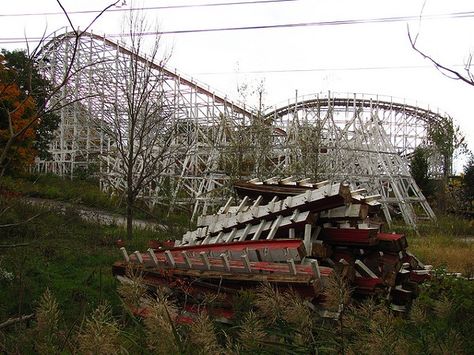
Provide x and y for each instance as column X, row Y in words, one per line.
column 291, row 234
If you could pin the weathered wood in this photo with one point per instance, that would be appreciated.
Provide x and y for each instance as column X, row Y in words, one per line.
column 11, row 321
column 239, row 272
column 346, row 236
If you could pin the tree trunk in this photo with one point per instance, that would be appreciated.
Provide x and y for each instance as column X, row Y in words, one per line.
column 4, row 155
column 130, row 202
column 129, row 218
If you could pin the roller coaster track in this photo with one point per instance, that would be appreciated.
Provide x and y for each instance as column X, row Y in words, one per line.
column 357, row 137
column 372, row 103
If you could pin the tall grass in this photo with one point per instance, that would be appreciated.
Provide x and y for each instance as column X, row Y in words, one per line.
column 88, row 193
column 63, row 275
column 449, row 243
column 57, row 188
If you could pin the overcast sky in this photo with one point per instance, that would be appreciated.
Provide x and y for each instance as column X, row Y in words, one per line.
column 373, row 58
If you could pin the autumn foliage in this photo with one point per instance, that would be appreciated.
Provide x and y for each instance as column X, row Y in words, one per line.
column 17, row 115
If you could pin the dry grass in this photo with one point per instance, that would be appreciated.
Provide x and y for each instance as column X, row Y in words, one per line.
column 270, row 302
column 252, row 332
column 100, row 333
column 47, row 324
column 202, row 336
column 133, row 290
column 159, row 326
column 299, row 316
column 450, row 344
column 373, row 330
column 454, row 253
column 337, row 292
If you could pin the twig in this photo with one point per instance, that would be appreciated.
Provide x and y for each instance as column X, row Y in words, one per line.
column 441, row 68
column 5, row 210
column 23, row 222
column 16, row 320
column 6, row 246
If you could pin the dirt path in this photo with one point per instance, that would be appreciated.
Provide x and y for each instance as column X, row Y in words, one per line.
column 92, row 214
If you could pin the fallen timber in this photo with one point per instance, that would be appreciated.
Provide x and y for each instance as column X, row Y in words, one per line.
column 290, row 234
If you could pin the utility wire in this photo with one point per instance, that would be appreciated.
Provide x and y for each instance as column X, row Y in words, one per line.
column 166, row 7
column 323, row 69
column 466, row 14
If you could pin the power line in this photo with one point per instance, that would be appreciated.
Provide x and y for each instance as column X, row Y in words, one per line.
column 167, row 7
column 306, row 70
column 466, row 14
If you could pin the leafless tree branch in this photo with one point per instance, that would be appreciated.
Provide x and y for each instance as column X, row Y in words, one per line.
column 448, row 72
column 138, row 120
column 23, row 222
column 46, row 106
column 9, row 246
column 11, row 321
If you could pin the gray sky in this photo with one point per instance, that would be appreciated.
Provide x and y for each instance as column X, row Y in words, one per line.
column 374, row 58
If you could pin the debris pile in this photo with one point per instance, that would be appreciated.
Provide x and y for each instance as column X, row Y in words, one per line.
column 291, row 234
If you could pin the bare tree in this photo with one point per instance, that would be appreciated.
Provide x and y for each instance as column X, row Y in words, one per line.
column 444, row 134
column 25, row 100
column 467, row 78
column 138, row 116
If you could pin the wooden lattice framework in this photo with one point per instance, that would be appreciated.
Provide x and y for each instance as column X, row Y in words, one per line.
column 360, row 138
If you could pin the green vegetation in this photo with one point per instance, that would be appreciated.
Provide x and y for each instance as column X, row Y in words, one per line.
column 468, row 182
column 87, row 192
column 58, row 267
column 61, row 189
column 448, row 244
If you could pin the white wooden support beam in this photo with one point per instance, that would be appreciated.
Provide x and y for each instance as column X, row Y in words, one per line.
column 315, row 234
column 242, row 204
column 256, row 236
column 125, row 254
column 307, row 239
column 225, row 209
column 275, row 226
column 288, row 181
column 372, row 198
column 303, row 181
column 245, row 232
column 225, row 261
column 271, row 204
column 291, row 266
column 288, row 202
column 153, row 258
column 187, row 261
column 322, row 184
column 366, row 269
column 315, row 267
column 205, row 260
column 170, row 259
column 294, row 216
column 257, row 201
column 271, row 180
column 231, row 235
column 219, row 237
column 246, row 262
column 207, row 239
column 291, row 233
column 358, row 192
column 139, row 256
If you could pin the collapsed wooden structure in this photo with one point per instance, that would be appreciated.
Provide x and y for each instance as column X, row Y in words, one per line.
column 291, row 234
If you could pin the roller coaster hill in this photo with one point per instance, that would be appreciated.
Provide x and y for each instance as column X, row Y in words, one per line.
column 363, row 139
